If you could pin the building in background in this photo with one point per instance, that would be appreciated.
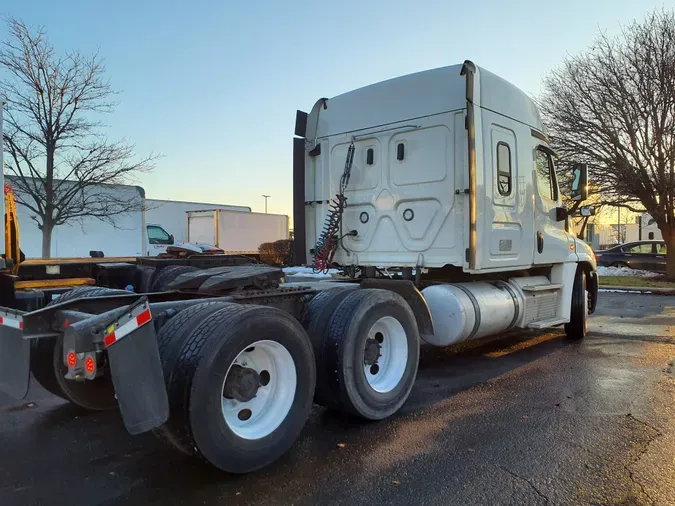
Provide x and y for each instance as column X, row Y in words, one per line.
column 601, row 233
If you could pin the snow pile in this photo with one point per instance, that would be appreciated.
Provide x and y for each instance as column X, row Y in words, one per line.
column 625, row 271
column 605, row 290
column 307, row 272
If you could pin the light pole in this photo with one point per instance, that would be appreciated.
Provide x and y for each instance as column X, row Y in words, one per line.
column 266, row 197
column 618, row 224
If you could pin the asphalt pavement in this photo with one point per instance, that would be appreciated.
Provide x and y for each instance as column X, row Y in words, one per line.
column 528, row 418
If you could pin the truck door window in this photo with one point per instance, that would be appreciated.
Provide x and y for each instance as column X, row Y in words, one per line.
column 546, row 181
column 157, row 235
column 504, row 169
column 661, row 249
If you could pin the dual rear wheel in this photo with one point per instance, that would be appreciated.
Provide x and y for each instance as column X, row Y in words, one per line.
column 366, row 345
column 241, row 378
column 240, row 381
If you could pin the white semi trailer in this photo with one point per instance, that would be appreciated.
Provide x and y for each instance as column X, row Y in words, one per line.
column 444, row 178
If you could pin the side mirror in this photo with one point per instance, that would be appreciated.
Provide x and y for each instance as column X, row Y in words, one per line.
column 587, row 211
column 580, row 182
column 171, row 241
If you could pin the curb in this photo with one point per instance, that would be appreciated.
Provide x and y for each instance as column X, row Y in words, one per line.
column 639, row 289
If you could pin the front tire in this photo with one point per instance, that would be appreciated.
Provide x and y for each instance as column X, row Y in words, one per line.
column 577, row 328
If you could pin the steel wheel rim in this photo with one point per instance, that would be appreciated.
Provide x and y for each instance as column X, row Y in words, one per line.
column 272, row 401
column 393, row 360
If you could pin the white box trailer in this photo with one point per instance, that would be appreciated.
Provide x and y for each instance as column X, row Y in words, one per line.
column 170, row 214
column 145, row 231
column 75, row 239
column 236, row 232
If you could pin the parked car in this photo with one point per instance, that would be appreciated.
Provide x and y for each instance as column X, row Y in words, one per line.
column 643, row 255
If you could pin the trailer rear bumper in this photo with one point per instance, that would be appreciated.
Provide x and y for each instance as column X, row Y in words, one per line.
column 125, row 335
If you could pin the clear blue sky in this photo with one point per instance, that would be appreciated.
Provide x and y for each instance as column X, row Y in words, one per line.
column 213, row 86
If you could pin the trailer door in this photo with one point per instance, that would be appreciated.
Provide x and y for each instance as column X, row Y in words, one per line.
column 202, row 227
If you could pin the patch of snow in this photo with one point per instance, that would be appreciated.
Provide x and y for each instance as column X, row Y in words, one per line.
column 625, row 271
column 307, row 272
column 622, row 291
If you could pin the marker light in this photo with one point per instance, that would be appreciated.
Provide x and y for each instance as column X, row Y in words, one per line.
column 90, row 365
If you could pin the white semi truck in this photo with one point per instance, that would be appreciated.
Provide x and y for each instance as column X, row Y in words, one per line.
column 444, row 178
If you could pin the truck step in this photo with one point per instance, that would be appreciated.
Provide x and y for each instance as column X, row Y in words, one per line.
column 541, row 288
column 542, row 324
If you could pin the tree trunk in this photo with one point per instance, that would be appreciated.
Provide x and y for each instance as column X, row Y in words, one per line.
column 669, row 238
column 47, row 229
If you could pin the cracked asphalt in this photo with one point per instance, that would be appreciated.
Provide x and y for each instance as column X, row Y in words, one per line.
column 529, row 418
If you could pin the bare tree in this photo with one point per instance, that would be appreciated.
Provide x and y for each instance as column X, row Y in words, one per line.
column 57, row 153
column 613, row 107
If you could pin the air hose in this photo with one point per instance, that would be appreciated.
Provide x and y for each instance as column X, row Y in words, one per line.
column 326, row 245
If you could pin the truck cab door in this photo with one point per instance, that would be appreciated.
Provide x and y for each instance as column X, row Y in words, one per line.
column 158, row 240
column 551, row 242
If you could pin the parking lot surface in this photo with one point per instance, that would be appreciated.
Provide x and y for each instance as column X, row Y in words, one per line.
column 527, row 418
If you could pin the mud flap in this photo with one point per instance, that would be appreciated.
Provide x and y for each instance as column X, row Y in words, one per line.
column 14, row 361
column 136, row 370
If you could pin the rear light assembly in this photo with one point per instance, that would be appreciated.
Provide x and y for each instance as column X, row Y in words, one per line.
column 81, row 366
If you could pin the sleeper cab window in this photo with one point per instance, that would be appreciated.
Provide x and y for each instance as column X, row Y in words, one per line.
column 504, row 179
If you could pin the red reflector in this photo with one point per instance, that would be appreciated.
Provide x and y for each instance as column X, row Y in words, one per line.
column 1, row 320
column 72, row 359
column 90, row 365
column 109, row 339
column 66, row 324
column 143, row 318
column 21, row 325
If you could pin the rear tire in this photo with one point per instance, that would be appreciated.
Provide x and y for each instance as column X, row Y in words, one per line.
column 167, row 274
column 170, row 341
column 577, row 328
column 242, row 436
column 620, row 265
column 46, row 363
column 315, row 320
column 368, row 323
